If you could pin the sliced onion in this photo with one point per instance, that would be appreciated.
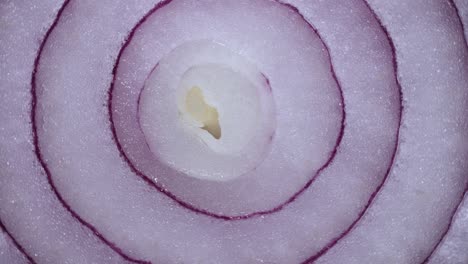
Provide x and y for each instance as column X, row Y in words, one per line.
column 138, row 207
column 353, row 149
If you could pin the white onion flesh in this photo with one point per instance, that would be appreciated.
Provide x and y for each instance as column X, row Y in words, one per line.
column 236, row 89
column 347, row 145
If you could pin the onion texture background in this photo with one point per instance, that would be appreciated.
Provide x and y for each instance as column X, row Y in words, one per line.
column 367, row 163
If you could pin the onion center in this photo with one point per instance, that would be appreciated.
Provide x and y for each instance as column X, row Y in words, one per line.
column 203, row 113
column 207, row 112
column 220, row 106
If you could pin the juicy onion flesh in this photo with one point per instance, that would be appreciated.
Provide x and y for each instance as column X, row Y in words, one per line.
column 176, row 121
column 237, row 131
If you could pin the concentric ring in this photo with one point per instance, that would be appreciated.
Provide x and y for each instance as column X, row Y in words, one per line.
column 160, row 185
column 255, row 224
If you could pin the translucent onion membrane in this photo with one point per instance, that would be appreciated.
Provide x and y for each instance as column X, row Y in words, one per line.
column 345, row 129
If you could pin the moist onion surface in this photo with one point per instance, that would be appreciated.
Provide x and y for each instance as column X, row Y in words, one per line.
column 323, row 132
